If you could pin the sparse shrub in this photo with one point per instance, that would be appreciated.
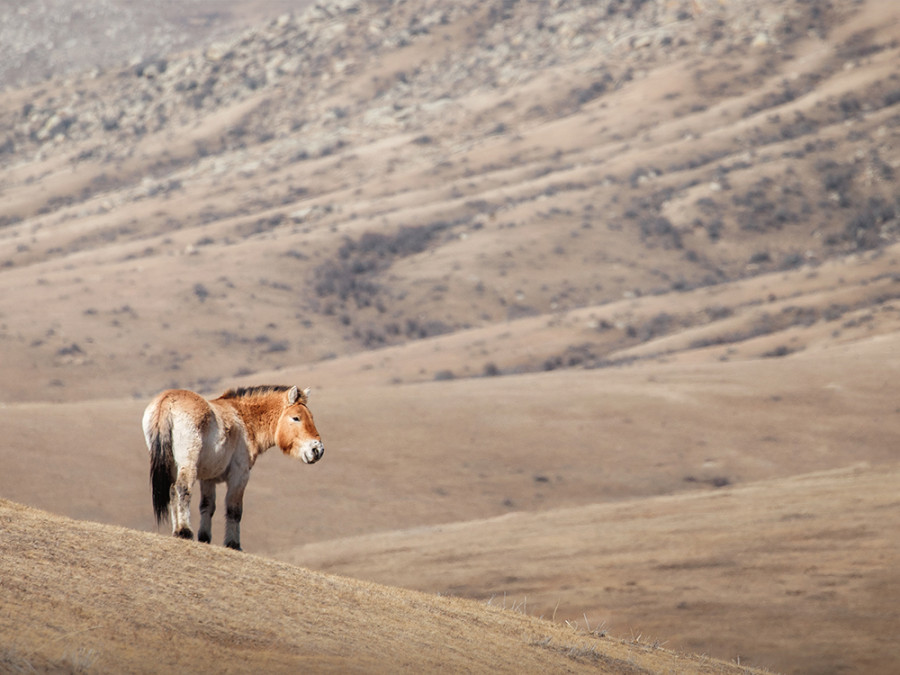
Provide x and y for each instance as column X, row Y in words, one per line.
column 868, row 228
column 718, row 312
column 772, row 100
column 201, row 292
column 792, row 261
column 660, row 228
column 420, row 330
column 370, row 337
column 351, row 275
column 767, row 205
column 835, row 312
column 837, row 178
column 640, row 174
column 491, row 370
column 262, row 225
column 70, row 350
column 8, row 146
column 716, row 481
column 849, row 106
column 9, row 220
column 660, row 324
column 596, row 89
column 574, row 356
column 277, row 346
column 801, row 126
column 714, row 229
column 781, row 350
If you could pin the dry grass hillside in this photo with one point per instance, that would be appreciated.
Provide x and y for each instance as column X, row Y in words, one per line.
column 81, row 597
column 610, row 288
column 799, row 559
column 364, row 175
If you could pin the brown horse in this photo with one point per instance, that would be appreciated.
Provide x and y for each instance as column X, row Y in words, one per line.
column 218, row 441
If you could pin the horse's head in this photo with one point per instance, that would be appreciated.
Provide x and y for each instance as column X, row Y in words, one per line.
column 296, row 434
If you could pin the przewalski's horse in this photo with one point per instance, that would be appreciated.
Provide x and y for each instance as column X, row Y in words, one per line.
column 218, row 441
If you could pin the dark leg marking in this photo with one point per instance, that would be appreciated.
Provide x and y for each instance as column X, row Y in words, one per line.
column 185, row 533
column 233, row 514
column 207, row 509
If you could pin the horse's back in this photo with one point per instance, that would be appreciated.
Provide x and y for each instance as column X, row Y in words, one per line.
column 177, row 408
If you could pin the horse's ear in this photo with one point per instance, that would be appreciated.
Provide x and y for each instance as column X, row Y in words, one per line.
column 306, row 393
column 293, row 395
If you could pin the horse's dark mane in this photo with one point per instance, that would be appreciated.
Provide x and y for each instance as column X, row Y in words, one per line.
column 261, row 390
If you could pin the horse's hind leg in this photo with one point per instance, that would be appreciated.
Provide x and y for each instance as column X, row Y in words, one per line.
column 181, row 511
column 207, row 509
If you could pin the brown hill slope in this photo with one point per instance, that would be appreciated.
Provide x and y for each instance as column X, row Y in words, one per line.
column 302, row 191
column 438, row 452
column 798, row 575
column 91, row 598
column 430, row 455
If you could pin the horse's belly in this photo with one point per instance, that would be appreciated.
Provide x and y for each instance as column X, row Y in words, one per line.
column 212, row 470
column 214, row 464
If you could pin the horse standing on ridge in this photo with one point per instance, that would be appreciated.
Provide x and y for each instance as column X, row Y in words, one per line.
column 218, row 441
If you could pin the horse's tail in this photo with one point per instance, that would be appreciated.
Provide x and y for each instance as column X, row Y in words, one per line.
column 158, row 430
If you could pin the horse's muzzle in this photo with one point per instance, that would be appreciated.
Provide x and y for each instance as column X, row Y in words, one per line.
column 312, row 451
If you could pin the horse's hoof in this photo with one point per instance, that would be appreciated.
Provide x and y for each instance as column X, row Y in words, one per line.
column 185, row 533
column 204, row 537
column 234, row 545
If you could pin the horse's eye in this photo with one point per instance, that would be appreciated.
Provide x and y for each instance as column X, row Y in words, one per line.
column 296, row 419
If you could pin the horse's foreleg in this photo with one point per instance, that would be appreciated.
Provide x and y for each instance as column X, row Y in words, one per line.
column 181, row 511
column 234, row 509
column 207, row 509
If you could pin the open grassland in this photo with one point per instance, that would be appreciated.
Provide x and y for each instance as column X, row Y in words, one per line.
column 82, row 597
column 798, row 574
column 465, row 503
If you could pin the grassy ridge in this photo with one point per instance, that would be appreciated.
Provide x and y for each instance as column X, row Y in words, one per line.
column 86, row 597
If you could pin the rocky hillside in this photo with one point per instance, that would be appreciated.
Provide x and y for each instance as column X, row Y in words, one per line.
column 542, row 157
column 46, row 39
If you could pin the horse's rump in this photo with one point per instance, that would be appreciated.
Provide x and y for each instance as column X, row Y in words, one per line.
column 158, row 430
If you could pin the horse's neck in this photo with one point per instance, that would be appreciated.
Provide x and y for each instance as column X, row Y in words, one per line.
column 260, row 420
